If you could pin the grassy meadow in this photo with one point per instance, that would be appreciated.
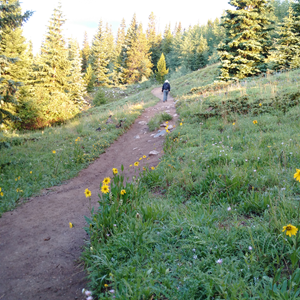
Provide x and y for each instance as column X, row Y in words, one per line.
column 207, row 222
column 32, row 160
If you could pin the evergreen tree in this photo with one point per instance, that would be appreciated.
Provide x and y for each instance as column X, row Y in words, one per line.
column 77, row 85
column 201, row 54
column 154, row 41
column 288, row 44
column 118, row 72
column 53, row 84
column 54, row 64
column 173, row 58
column 138, row 63
column 244, row 50
column 89, row 79
column 99, row 57
column 162, row 70
column 11, row 19
column 110, row 44
column 130, row 41
column 85, row 53
column 167, row 40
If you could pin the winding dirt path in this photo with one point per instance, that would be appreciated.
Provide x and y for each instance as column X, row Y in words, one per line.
column 39, row 253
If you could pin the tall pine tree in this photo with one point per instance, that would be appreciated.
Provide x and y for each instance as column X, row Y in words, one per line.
column 287, row 46
column 154, row 41
column 99, row 57
column 85, row 53
column 118, row 72
column 138, row 64
column 130, row 40
column 77, row 85
column 54, row 101
column 54, row 63
column 247, row 43
column 11, row 19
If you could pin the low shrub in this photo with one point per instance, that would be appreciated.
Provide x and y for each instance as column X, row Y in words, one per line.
column 99, row 98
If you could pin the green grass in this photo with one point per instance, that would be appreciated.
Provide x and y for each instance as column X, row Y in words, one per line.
column 27, row 161
column 157, row 120
column 210, row 216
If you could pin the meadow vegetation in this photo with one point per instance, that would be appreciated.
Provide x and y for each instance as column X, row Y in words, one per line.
column 209, row 222
column 32, row 160
column 158, row 119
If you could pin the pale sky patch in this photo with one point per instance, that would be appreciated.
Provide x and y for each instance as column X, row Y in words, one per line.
column 85, row 15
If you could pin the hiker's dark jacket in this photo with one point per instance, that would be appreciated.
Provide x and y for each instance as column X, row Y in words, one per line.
column 166, row 86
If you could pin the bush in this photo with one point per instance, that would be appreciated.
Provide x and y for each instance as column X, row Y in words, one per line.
column 43, row 109
column 99, row 98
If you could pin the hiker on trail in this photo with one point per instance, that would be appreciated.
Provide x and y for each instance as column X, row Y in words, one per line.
column 166, row 89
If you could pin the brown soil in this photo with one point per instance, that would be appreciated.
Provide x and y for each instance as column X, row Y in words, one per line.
column 39, row 253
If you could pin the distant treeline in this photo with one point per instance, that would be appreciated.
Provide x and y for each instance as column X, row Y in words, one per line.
column 37, row 91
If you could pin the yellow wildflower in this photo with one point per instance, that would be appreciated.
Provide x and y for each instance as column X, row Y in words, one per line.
column 233, row 123
column 136, row 164
column 290, row 230
column 180, row 124
column 0, row 189
column 167, row 122
column 16, row 179
column 254, row 122
column 152, row 168
column 104, row 189
column 260, row 104
column 115, row 171
column 88, row 193
column 297, row 175
column 130, row 166
column 123, row 192
column 1, row 194
column 140, row 158
column 53, row 151
column 144, row 156
column 71, row 225
column 19, row 178
column 105, row 285
column 30, row 172
column 106, row 180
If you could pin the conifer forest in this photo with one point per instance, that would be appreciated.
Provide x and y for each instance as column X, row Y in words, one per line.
column 253, row 37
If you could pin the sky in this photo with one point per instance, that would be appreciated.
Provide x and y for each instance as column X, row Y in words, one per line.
column 85, row 15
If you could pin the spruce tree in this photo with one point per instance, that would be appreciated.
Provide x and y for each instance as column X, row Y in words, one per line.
column 138, row 63
column 99, row 57
column 130, row 40
column 118, row 72
column 53, row 86
column 287, row 46
column 162, row 70
column 89, row 79
column 11, row 19
column 154, row 41
column 85, row 53
column 54, row 63
column 244, row 50
column 201, row 54
column 167, row 40
column 173, row 58
column 77, row 85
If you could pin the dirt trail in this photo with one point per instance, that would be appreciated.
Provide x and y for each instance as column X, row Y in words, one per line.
column 39, row 253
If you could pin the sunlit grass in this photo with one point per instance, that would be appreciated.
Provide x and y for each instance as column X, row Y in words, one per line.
column 212, row 214
column 29, row 155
